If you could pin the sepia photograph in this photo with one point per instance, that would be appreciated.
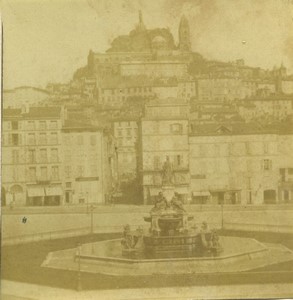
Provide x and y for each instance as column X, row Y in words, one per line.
column 146, row 149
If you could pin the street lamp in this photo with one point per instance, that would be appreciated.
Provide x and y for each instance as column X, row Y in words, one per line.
column 79, row 286
column 222, row 209
column 92, row 218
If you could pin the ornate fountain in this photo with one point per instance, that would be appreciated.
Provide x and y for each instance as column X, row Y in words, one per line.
column 170, row 234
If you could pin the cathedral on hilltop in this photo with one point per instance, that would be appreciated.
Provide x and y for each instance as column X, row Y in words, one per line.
column 154, row 47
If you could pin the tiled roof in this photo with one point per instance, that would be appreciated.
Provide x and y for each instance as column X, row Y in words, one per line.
column 43, row 112
column 237, row 128
column 11, row 112
column 73, row 124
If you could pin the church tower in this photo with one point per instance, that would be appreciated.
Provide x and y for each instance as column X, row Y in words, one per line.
column 140, row 26
column 184, row 35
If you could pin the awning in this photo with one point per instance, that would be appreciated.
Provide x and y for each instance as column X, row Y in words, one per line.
column 54, row 191
column 35, row 191
column 181, row 190
column 201, row 194
column 224, row 190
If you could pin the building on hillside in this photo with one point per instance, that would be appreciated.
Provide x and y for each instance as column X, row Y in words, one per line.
column 31, row 156
column 116, row 91
column 269, row 86
column 153, row 69
column 236, row 69
column 287, row 86
column 164, row 136
column 88, row 163
column 277, row 106
column 234, row 164
column 125, row 132
column 142, row 45
column 218, row 88
column 211, row 112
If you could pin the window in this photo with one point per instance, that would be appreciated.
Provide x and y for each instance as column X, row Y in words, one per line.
column 54, row 138
column 119, row 132
column 43, row 155
column 55, row 172
column 79, row 139
column 283, row 174
column 43, row 139
column 248, row 148
column 290, row 171
column 15, row 174
column 14, row 125
column 31, row 139
column 32, row 174
column 42, row 125
column 80, row 170
column 15, row 156
column 93, row 140
column 68, row 185
column 176, row 128
column 67, row 171
column 31, row 125
column 32, row 156
column 157, row 162
column 54, row 155
column 15, row 139
column 266, row 147
column 267, row 164
column 178, row 160
column 129, row 132
column 44, row 173
column 53, row 124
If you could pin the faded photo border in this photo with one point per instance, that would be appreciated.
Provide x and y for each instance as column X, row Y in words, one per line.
column 15, row 287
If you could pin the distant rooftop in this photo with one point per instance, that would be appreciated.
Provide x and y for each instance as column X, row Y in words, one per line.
column 240, row 128
column 25, row 88
column 43, row 112
column 76, row 125
column 12, row 112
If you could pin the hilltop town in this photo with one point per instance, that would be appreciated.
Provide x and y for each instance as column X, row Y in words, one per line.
column 103, row 137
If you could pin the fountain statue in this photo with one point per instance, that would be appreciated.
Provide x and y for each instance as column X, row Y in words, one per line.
column 170, row 234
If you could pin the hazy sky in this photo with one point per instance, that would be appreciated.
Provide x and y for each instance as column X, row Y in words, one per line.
column 47, row 40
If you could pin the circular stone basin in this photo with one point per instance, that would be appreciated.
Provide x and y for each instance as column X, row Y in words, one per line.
column 231, row 246
column 239, row 254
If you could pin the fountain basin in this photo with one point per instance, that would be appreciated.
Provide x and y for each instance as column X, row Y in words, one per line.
column 240, row 254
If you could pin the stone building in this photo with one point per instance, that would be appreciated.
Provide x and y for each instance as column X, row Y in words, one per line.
column 277, row 106
column 125, row 133
column 88, row 162
column 50, row 160
column 234, row 164
column 116, row 91
column 154, row 68
column 144, row 51
column 32, row 172
column 225, row 88
column 164, row 136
